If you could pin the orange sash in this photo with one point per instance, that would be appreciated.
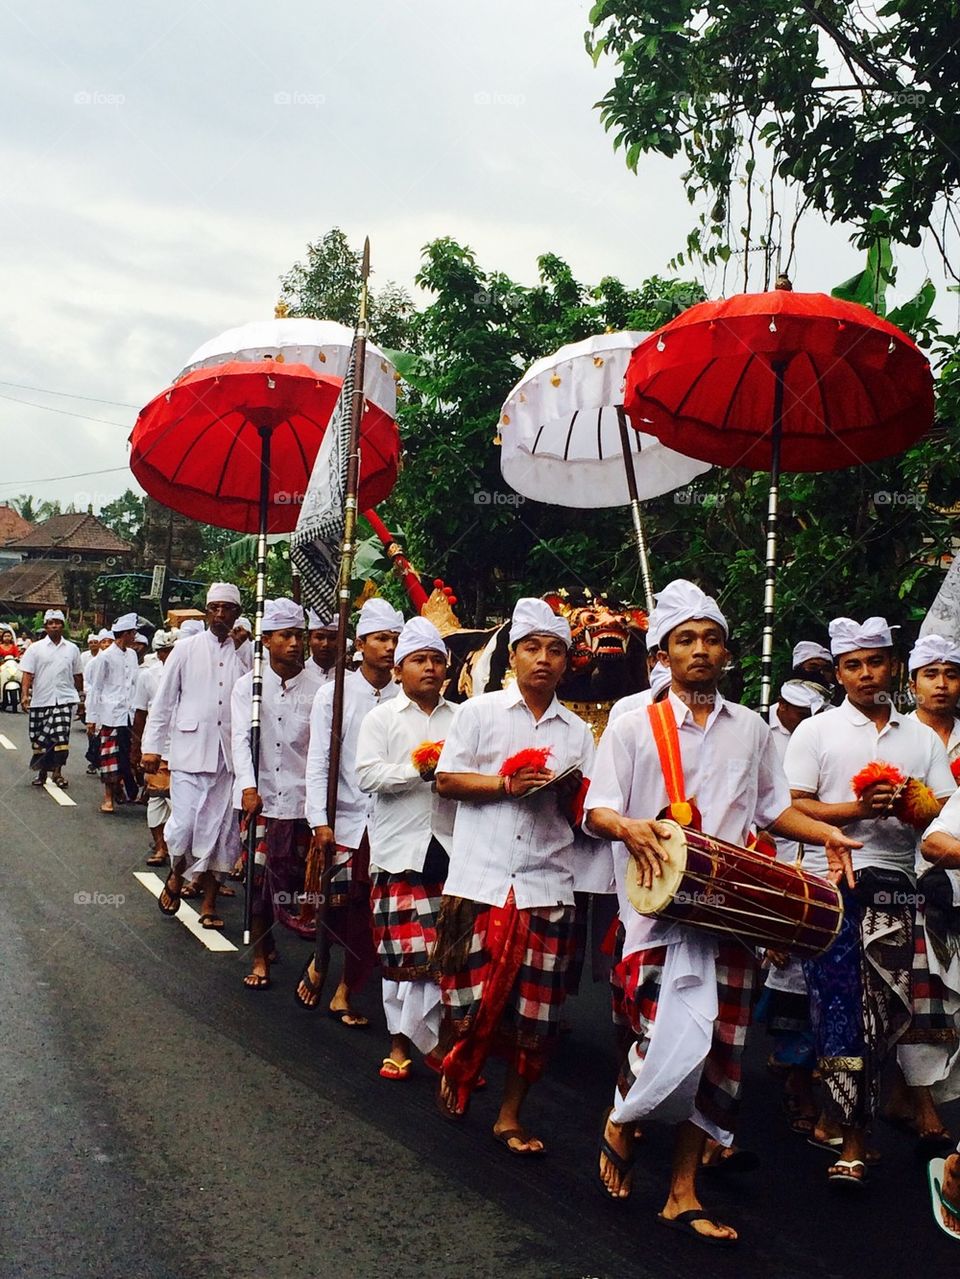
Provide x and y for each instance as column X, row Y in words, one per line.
column 667, row 741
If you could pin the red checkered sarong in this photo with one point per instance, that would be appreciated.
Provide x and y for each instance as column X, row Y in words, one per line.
column 640, row 976
column 502, row 975
column 405, row 909
column 109, row 751
column 931, row 1023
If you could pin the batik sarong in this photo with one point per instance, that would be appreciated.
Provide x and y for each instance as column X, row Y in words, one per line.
column 860, row 995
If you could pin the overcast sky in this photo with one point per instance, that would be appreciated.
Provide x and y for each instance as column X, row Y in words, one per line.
column 164, row 163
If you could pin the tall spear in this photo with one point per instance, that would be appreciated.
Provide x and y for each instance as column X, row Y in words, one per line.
column 321, row 955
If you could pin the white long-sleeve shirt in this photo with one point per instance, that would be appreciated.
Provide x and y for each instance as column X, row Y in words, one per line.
column 354, row 808
column 192, row 707
column 524, row 844
column 284, row 739
column 113, row 684
column 407, row 810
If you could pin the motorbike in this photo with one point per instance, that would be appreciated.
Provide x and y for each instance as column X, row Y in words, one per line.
column 10, row 680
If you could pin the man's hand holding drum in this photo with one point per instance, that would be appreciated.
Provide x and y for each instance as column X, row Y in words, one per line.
column 640, row 837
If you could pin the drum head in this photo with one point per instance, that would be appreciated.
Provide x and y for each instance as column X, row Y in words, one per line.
column 651, row 901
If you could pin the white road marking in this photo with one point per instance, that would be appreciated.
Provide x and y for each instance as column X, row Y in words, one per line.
column 60, row 796
column 6, row 743
column 190, row 918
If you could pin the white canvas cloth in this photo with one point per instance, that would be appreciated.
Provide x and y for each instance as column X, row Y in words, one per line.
column 412, row 1008
column 202, row 826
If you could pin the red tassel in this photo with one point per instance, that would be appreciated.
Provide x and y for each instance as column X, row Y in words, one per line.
column 878, row 770
column 533, row 757
column 425, row 756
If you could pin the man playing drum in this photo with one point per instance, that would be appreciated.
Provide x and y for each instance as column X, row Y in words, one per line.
column 688, row 993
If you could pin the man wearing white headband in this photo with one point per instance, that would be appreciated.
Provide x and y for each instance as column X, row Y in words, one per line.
column 92, row 649
column 190, row 718
column 50, row 690
column 929, row 1053
column 242, row 637
column 323, row 645
column 158, row 784
column 342, row 836
column 273, row 797
column 866, row 974
column 686, row 1062
column 410, row 836
column 112, row 683
column 812, row 661
column 511, row 874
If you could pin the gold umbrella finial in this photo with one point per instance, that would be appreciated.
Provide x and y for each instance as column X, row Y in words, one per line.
column 281, row 310
column 783, row 283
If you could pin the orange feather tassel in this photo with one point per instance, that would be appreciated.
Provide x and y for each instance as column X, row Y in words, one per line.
column 533, row 757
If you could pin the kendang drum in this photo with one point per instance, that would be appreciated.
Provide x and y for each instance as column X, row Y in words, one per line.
column 724, row 889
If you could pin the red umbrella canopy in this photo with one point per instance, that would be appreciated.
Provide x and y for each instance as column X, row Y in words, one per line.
column 196, row 447
column 856, row 388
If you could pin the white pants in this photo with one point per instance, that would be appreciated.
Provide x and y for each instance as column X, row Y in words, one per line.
column 412, row 1008
column 158, row 811
column 201, row 826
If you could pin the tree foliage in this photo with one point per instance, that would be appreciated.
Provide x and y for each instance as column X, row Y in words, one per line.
column 125, row 517
column 853, row 105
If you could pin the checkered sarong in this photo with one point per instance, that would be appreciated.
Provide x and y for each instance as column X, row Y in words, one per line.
column 531, row 1015
column 49, row 728
column 109, row 751
column 931, row 1023
column 405, row 909
column 640, row 976
column 279, row 858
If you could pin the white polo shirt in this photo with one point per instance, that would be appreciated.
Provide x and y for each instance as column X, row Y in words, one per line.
column 825, row 754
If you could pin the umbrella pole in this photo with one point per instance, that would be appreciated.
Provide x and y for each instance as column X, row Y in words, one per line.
column 769, row 588
column 257, row 699
column 635, row 508
column 321, row 954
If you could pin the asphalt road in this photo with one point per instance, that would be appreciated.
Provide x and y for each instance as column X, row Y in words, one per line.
column 160, row 1122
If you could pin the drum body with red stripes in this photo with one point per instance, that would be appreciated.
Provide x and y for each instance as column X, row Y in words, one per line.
column 731, row 891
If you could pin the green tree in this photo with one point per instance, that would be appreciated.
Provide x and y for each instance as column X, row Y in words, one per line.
column 32, row 510
column 326, row 286
column 854, row 106
column 125, row 517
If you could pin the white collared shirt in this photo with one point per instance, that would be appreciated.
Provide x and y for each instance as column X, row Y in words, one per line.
column 284, row 738
column 947, row 823
column 731, row 772
column 825, row 754
column 354, row 808
column 113, row 683
column 407, row 811
column 523, row 844
column 191, row 710
column 53, row 667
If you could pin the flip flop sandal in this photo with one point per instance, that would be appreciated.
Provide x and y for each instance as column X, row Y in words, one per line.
column 798, row 1120
column 191, row 890
column 174, row 900
column 156, row 859
column 38, row 783
column 624, row 1164
column 359, row 1022
column 935, row 1175
column 683, row 1222
column 833, row 1144
column 227, row 892
column 311, row 984
column 506, row 1135
column 257, row 981
column 395, row 1069
column 841, row 1173
column 739, row 1161
column 211, row 921
column 61, row 782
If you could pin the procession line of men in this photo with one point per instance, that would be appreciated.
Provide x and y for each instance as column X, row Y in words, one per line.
column 462, row 834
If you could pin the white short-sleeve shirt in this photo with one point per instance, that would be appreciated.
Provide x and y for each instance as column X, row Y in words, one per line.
column 53, row 667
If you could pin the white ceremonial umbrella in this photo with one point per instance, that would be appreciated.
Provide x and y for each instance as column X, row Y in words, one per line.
column 323, row 345
column 565, row 438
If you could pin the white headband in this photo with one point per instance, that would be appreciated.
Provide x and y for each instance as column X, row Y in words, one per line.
column 847, row 636
column 282, row 615
column 536, row 617
column 933, row 648
column 223, row 593
column 418, row 633
column 378, row 615
column 682, row 601
column 807, row 651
